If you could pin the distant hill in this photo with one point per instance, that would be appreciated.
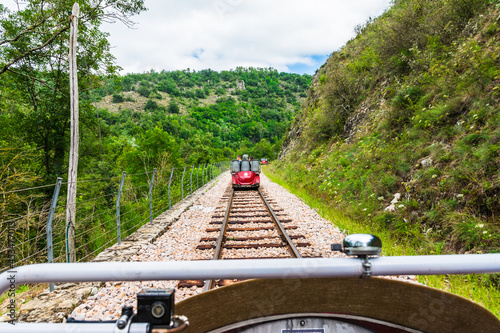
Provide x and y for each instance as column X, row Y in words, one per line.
column 211, row 115
column 401, row 127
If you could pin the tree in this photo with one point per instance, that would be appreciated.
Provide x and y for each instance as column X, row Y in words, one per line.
column 173, row 107
column 151, row 105
column 37, row 28
column 148, row 150
column 34, row 62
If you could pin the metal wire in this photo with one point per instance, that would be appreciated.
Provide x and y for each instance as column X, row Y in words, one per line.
column 135, row 188
column 81, row 246
column 136, row 205
column 94, row 198
column 96, row 250
column 92, row 180
column 27, row 189
column 137, row 174
column 135, row 218
column 3, row 269
column 135, row 225
column 96, row 215
column 100, row 236
column 88, row 230
column 35, row 213
column 33, row 238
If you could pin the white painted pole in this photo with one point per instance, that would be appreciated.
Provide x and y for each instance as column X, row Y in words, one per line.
column 73, row 154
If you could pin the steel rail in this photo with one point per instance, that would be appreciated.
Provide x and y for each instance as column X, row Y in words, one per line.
column 249, row 269
column 209, row 284
column 281, row 230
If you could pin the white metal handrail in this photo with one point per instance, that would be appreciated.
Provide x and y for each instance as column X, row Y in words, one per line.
column 249, row 269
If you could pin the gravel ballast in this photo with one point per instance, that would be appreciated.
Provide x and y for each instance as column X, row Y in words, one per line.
column 180, row 240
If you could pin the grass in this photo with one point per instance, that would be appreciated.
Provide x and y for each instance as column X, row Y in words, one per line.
column 474, row 287
column 24, row 293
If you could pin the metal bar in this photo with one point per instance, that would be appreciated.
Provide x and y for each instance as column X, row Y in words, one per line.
column 150, row 198
column 191, row 179
column 291, row 247
column 118, row 222
column 169, row 193
column 197, row 173
column 182, row 182
column 53, row 204
column 249, row 269
column 209, row 284
column 69, row 327
column 203, row 175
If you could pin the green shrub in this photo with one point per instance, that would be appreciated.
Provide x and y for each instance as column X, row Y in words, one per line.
column 407, row 97
column 118, row 98
column 173, row 107
column 151, row 105
column 143, row 91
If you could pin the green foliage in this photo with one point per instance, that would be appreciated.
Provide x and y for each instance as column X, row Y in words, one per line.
column 252, row 120
column 410, row 106
column 118, row 98
column 38, row 88
column 173, row 107
column 143, row 91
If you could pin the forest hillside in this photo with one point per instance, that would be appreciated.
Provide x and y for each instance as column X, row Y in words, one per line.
column 401, row 127
column 136, row 122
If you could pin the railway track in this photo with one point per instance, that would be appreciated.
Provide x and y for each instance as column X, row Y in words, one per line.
column 248, row 225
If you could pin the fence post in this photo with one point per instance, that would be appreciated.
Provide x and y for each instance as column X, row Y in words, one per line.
column 150, row 199
column 197, row 173
column 182, row 182
column 191, row 181
column 203, row 175
column 118, row 231
column 169, row 193
column 53, row 204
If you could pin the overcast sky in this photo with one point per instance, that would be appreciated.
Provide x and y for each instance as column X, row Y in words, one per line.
column 289, row 35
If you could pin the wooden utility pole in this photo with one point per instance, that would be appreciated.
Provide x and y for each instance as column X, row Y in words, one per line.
column 73, row 153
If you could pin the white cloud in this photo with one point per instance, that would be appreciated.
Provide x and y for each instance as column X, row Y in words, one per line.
column 224, row 34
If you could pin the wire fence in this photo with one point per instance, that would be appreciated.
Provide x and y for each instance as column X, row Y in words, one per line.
column 33, row 228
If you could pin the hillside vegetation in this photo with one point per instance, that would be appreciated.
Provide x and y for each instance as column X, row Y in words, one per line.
column 139, row 121
column 401, row 127
column 209, row 115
